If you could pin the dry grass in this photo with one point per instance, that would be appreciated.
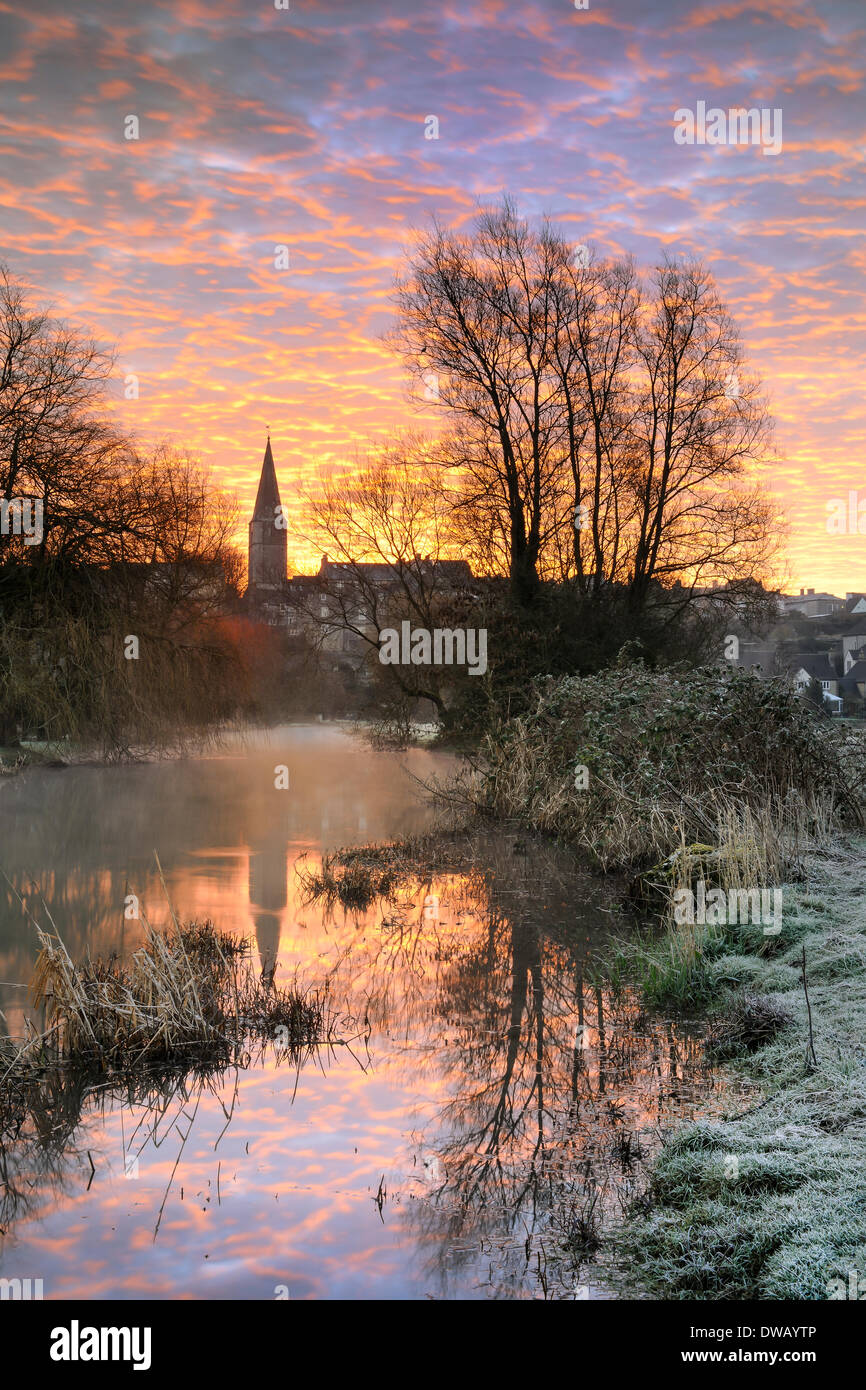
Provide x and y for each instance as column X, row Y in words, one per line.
column 191, row 993
column 628, row 765
column 759, row 842
column 187, row 1013
column 747, row 1024
column 186, row 1007
column 355, row 885
column 749, row 848
column 357, row 877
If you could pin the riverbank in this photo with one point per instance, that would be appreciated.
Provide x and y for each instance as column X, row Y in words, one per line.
column 770, row 1202
column 705, row 785
column 15, row 758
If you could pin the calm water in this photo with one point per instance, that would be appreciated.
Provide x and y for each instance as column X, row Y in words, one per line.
column 492, row 1107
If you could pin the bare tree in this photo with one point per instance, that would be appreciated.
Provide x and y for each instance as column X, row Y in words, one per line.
column 390, row 554
column 700, row 422
column 166, row 517
column 596, row 309
column 131, row 544
column 55, row 443
column 479, row 314
column 602, row 428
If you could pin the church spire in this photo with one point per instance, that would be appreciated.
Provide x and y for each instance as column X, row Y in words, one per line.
column 268, row 495
column 267, row 530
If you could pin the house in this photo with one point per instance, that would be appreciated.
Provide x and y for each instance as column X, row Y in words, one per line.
column 853, row 650
column 818, row 668
column 852, row 686
column 810, row 604
column 344, row 605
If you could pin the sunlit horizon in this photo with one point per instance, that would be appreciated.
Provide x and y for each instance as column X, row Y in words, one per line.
column 306, row 129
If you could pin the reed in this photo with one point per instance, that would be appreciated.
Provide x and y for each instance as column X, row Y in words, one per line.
column 190, row 993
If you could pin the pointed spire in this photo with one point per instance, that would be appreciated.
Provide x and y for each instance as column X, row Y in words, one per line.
column 268, row 495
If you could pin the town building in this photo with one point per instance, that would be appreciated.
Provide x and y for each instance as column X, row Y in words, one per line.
column 810, row 604
column 337, row 609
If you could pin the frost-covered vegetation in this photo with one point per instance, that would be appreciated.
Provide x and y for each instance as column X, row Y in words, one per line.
column 689, row 776
column 770, row 1203
column 629, row 764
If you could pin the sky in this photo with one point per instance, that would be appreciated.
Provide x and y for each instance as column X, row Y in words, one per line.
column 307, row 127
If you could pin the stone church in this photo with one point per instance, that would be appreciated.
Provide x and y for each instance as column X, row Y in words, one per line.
column 267, row 554
column 334, row 600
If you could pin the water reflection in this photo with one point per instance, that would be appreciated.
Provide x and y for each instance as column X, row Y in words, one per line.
column 496, row 1115
column 75, row 843
column 551, row 1092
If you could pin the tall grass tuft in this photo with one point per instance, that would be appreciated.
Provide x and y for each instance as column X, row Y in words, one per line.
column 191, row 991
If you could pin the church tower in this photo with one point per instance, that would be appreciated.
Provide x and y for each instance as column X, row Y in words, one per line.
column 267, row 546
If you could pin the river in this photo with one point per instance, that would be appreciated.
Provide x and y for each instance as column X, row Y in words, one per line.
column 494, row 1108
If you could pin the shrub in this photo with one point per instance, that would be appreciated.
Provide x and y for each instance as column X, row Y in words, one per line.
column 666, row 753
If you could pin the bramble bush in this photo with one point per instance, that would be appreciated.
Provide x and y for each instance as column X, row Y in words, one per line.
column 666, row 753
